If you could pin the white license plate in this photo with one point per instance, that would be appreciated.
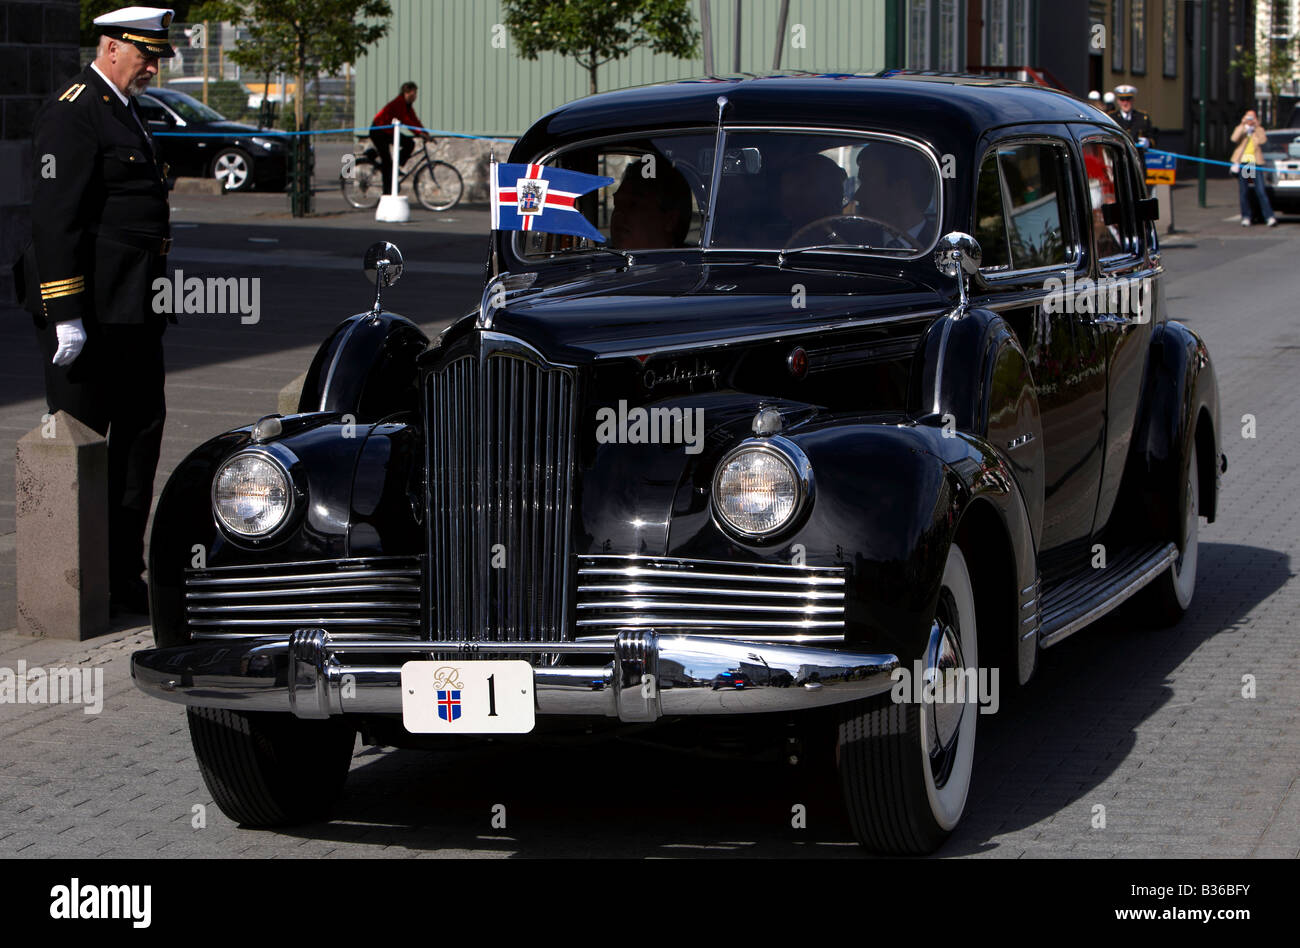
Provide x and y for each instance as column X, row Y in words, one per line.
column 468, row 697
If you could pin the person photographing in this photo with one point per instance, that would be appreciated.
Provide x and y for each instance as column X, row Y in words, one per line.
column 1251, row 138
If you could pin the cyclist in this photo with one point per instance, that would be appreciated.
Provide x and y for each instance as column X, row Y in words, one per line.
column 400, row 109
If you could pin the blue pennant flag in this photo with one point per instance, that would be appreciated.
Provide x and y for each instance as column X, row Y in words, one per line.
column 535, row 197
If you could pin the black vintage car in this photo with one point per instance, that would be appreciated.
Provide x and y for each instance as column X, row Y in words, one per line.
column 200, row 142
column 872, row 384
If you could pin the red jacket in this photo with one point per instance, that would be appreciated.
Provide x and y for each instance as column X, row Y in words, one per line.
column 398, row 109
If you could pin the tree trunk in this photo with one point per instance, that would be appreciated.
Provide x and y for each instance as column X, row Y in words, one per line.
column 591, row 71
column 300, row 93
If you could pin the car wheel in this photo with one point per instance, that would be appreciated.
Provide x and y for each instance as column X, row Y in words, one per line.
column 234, row 169
column 267, row 769
column 905, row 767
column 1164, row 602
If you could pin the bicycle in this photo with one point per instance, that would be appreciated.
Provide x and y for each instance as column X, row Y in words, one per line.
column 438, row 185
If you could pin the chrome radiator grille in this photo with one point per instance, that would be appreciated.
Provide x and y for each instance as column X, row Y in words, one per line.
column 377, row 594
column 501, row 429
column 703, row 596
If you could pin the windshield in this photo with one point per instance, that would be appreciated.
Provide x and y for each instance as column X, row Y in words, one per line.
column 777, row 190
column 192, row 110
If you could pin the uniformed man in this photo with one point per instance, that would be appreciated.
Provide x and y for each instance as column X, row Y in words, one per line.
column 1135, row 122
column 100, row 236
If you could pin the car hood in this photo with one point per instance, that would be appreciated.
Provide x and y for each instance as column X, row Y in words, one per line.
column 675, row 306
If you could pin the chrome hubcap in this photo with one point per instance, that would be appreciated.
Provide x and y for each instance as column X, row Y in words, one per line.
column 231, row 170
column 943, row 717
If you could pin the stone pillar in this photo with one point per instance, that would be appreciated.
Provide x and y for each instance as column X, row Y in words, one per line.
column 61, row 508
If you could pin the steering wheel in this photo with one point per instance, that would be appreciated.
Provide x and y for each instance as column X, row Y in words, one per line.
column 854, row 222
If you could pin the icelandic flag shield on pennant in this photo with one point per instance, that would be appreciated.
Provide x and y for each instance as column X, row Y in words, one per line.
column 535, row 197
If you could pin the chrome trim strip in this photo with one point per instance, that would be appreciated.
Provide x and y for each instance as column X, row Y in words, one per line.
column 738, row 578
column 1104, row 597
column 301, row 590
column 712, row 591
column 302, row 674
column 668, row 622
column 681, row 560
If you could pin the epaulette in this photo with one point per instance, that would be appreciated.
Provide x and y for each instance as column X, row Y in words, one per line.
column 70, row 94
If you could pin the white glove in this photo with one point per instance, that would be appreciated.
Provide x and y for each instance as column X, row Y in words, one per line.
column 1142, row 142
column 72, row 336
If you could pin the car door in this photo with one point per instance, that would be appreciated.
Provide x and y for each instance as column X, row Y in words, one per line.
column 1125, row 297
column 1028, row 229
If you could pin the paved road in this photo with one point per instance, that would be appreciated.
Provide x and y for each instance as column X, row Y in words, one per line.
column 1150, row 725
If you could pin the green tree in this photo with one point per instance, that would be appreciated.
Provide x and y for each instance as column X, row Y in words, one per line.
column 1278, row 63
column 595, row 32
column 302, row 37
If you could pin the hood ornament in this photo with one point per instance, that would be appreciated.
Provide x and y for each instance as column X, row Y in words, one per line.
column 958, row 255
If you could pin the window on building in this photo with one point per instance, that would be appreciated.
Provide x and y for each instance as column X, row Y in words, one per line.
column 995, row 32
column 1116, row 37
column 950, row 36
column 1169, row 37
column 1020, row 33
column 918, row 34
column 1139, row 56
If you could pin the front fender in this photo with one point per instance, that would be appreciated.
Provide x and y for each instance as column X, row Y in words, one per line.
column 1180, row 393
column 890, row 499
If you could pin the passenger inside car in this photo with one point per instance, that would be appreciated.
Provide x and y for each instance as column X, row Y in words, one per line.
column 651, row 210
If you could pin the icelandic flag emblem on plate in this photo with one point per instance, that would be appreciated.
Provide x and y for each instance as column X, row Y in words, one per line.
column 448, row 705
column 535, row 197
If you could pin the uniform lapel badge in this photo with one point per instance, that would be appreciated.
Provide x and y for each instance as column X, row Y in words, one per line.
column 71, row 93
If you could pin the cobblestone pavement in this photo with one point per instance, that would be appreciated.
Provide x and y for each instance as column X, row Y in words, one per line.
column 1150, row 725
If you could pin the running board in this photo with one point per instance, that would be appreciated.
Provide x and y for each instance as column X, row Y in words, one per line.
column 1085, row 596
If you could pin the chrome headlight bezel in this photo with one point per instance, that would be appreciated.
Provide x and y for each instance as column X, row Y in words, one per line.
column 282, row 460
column 790, row 454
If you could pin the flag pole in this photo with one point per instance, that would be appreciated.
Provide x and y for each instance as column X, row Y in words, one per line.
column 492, row 267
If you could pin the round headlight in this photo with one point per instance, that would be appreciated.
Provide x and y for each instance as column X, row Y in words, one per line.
column 758, row 489
column 252, row 495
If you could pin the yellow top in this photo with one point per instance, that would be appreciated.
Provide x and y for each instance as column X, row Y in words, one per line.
column 1248, row 156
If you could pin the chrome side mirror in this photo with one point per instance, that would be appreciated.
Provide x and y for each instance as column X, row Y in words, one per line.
column 958, row 255
column 383, row 264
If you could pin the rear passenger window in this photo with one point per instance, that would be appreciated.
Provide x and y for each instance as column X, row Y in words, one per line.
column 1020, row 207
column 1112, row 218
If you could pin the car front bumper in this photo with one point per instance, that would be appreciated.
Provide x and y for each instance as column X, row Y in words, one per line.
column 633, row 676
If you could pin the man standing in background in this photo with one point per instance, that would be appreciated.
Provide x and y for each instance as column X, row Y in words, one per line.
column 100, row 236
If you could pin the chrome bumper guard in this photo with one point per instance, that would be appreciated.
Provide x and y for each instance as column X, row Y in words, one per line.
column 645, row 675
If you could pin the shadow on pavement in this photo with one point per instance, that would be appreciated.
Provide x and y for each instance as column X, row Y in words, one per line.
column 1065, row 734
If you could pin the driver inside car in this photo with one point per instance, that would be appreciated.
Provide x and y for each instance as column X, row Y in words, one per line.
column 650, row 212
column 896, row 190
column 811, row 187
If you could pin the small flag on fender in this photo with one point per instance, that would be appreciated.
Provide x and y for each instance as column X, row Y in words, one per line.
column 535, row 197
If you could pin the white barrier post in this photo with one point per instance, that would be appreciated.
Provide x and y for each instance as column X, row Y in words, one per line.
column 393, row 207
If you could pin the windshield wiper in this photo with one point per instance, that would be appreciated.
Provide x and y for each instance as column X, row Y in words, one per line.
column 570, row 251
column 782, row 254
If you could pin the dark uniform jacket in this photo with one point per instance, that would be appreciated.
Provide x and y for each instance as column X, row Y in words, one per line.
column 99, row 211
column 1138, row 125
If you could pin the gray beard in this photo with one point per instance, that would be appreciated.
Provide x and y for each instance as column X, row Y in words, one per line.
column 134, row 89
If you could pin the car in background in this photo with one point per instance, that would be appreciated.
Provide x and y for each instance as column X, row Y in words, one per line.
column 1282, row 154
column 200, row 142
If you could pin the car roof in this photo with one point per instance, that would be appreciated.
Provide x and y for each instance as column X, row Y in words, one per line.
column 906, row 102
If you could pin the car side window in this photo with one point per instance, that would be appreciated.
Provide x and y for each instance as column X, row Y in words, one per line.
column 1113, row 222
column 990, row 219
column 150, row 110
column 1026, row 180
